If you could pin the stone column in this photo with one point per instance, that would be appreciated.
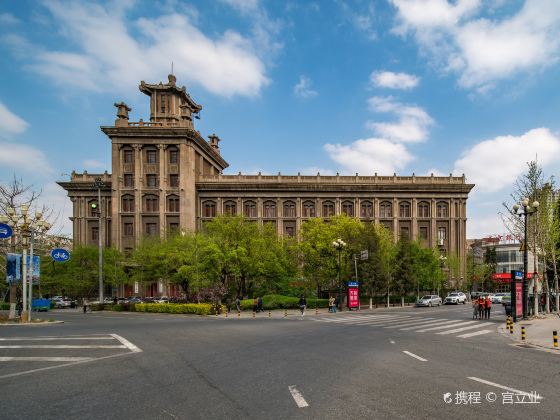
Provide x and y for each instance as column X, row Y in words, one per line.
column 414, row 214
column 395, row 219
column 138, row 167
column 433, row 227
column 116, row 184
column 162, row 190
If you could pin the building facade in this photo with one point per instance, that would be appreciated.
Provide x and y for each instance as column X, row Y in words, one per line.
column 166, row 177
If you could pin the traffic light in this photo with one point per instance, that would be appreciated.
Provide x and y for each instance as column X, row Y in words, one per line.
column 94, row 209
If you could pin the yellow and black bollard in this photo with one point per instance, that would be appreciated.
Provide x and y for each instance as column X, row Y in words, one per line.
column 316, row 310
column 269, row 314
column 254, row 313
column 226, row 313
column 555, row 338
column 511, row 328
column 238, row 314
column 285, row 313
column 522, row 333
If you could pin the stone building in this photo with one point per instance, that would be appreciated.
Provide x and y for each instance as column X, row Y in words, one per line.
column 165, row 176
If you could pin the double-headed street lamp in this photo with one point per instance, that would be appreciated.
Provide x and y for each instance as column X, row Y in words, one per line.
column 528, row 209
column 29, row 226
column 339, row 245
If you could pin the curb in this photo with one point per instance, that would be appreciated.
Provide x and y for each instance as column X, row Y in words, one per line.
column 36, row 324
column 517, row 342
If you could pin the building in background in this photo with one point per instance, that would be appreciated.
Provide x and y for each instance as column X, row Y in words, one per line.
column 166, row 177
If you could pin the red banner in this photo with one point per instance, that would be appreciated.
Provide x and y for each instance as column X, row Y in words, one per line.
column 353, row 299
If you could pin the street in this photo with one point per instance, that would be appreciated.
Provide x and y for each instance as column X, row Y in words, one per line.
column 383, row 363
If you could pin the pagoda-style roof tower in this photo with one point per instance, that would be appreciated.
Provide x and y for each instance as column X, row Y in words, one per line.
column 170, row 105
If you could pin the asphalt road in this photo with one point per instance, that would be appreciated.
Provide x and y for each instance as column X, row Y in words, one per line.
column 385, row 363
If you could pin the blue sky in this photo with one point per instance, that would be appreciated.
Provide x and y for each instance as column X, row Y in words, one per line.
column 465, row 86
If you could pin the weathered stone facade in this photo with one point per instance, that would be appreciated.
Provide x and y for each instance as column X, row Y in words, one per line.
column 166, row 177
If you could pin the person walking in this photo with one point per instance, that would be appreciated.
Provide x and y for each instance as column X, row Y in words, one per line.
column 331, row 304
column 475, row 309
column 259, row 304
column 238, row 304
column 19, row 308
column 228, row 305
column 487, row 307
column 481, row 302
column 336, row 302
column 255, row 304
column 302, row 304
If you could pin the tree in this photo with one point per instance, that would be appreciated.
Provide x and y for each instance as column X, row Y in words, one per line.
column 405, row 277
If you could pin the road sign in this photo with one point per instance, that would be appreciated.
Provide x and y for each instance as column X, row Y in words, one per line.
column 352, row 284
column 5, row 231
column 522, row 247
column 364, row 254
column 60, row 255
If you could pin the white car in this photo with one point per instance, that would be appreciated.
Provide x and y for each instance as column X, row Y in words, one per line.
column 456, row 298
column 497, row 298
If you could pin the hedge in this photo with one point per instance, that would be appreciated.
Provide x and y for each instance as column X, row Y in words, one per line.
column 4, row 306
column 178, row 308
column 282, row 302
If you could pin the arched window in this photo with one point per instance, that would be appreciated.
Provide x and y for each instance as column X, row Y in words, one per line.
column 269, row 209
column 328, row 209
column 366, row 209
column 250, row 209
column 230, row 208
column 289, row 209
column 151, row 204
column 127, row 203
column 386, row 209
column 308, row 209
column 442, row 209
column 348, row 208
column 209, row 209
column 404, row 209
column 423, row 209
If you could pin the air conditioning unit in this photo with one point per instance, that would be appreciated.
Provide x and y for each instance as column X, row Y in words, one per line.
column 440, row 241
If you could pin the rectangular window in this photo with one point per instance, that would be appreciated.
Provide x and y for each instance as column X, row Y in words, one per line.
column 173, row 180
column 173, row 204
column 173, row 226
column 128, row 229
column 423, row 233
column 442, row 234
column 128, row 156
column 151, row 228
column 151, row 180
column 173, row 156
column 128, row 180
column 94, row 233
column 151, row 156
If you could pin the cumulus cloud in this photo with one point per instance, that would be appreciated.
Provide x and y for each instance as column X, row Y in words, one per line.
column 244, row 6
column 483, row 51
column 412, row 123
column 496, row 163
column 24, row 157
column 388, row 79
column 303, row 88
column 115, row 52
column 367, row 156
column 10, row 123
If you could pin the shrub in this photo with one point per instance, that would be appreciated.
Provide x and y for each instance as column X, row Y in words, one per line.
column 178, row 308
column 283, row 302
column 4, row 306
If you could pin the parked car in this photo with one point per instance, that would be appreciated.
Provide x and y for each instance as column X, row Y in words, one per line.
column 132, row 299
column 162, row 299
column 456, row 298
column 429, row 300
column 497, row 298
column 64, row 303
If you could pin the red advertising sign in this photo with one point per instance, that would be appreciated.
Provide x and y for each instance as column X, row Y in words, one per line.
column 519, row 298
column 353, row 298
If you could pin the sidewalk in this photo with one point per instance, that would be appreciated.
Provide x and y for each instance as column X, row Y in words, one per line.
column 538, row 331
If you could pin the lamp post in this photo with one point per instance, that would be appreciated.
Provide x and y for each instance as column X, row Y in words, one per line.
column 528, row 209
column 99, row 184
column 339, row 244
column 28, row 226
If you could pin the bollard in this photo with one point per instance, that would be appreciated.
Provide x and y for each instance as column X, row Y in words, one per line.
column 253, row 314
column 511, row 328
column 238, row 314
column 316, row 310
column 285, row 313
column 522, row 333
column 555, row 338
column 226, row 313
column 269, row 314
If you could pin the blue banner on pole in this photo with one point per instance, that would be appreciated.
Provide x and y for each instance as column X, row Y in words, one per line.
column 13, row 268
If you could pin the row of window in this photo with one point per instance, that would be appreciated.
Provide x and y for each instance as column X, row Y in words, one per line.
column 328, row 209
column 150, row 203
column 152, row 180
column 151, row 156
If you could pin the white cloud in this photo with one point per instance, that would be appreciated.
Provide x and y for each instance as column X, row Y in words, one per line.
column 412, row 125
column 479, row 50
column 94, row 164
column 56, row 199
column 361, row 18
column 24, row 157
column 10, row 123
column 481, row 226
column 8, row 19
column 367, row 156
column 303, row 88
column 388, row 79
column 496, row 163
column 244, row 6
column 434, row 172
column 115, row 52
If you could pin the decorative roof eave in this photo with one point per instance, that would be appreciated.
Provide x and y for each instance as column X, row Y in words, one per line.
column 148, row 89
column 83, row 186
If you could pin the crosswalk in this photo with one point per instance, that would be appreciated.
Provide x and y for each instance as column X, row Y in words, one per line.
column 414, row 323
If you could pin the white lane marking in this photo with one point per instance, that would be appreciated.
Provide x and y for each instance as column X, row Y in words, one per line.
column 473, row 334
column 359, row 321
column 381, row 321
column 507, row 388
column 44, row 359
column 415, row 356
column 361, row 317
column 410, row 322
column 127, row 343
column 61, row 346
column 448, row 326
column 392, row 341
column 441, row 321
column 54, row 338
column 298, row 398
column 485, row 324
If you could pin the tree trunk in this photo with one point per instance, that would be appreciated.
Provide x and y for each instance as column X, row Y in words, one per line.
column 370, row 303
column 402, row 301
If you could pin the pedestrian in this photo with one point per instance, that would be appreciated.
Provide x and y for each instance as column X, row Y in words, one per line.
column 85, row 306
column 238, row 304
column 481, row 307
column 228, row 304
column 336, row 303
column 331, row 304
column 487, row 307
column 475, row 309
column 259, row 304
column 302, row 304
column 255, row 304
column 19, row 307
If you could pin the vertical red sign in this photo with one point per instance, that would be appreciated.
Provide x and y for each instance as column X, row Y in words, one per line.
column 353, row 298
column 519, row 298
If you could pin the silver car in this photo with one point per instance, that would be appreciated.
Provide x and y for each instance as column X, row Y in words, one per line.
column 429, row 300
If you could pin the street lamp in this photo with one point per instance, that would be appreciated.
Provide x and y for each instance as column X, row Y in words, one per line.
column 97, row 207
column 29, row 226
column 527, row 211
column 339, row 244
